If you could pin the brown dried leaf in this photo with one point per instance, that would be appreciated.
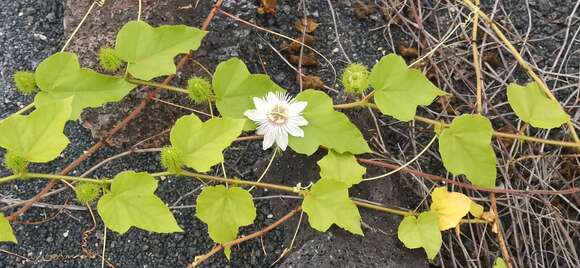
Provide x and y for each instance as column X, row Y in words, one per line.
column 310, row 82
column 308, row 25
column 491, row 58
column 408, row 52
column 294, row 47
column 307, row 59
column 268, row 7
column 363, row 10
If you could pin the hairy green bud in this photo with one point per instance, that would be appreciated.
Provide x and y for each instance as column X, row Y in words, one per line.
column 199, row 89
column 15, row 163
column 355, row 78
column 87, row 192
column 109, row 60
column 170, row 160
column 25, row 82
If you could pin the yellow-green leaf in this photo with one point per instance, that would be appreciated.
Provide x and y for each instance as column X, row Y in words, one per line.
column 532, row 105
column 200, row 144
column 328, row 203
column 399, row 89
column 6, row 233
column 150, row 51
column 326, row 127
column 132, row 202
column 341, row 167
column 225, row 210
column 465, row 148
column 421, row 232
column 450, row 207
column 235, row 87
column 499, row 263
column 60, row 77
column 37, row 137
column 476, row 210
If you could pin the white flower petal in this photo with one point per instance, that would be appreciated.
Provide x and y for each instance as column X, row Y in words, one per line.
column 298, row 121
column 294, row 130
column 269, row 138
column 282, row 139
column 272, row 98
column 261, row 105
column 256, row 115
column 297, row 107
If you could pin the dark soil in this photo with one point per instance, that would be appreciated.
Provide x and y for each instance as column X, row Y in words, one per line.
column 58, row 240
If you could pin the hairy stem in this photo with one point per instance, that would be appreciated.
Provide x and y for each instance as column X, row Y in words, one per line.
column 9, row 178
column 157, row 85
column 62, row 177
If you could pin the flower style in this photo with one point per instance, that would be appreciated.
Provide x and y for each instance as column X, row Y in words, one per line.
column 278, row 115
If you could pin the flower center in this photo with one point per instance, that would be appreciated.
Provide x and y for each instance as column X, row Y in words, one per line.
column 278, row 114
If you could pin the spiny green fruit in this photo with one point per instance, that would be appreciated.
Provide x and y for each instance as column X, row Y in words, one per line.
column 87, row 192
column 109, row 60
column 199, row 89
column 170, row 160
column 25, row 82
column 355, row 78
column 15, row 163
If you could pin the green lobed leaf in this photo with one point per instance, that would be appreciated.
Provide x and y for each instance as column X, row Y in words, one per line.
column 326, row 127
column 499, row 263
column 533, row 106
column 328, row 203
column 225, row 210
column 200, row 144
column 60, row 76
column 37, row 137
column 150, row 51
column 421, row 232
column 465, row 148
column 399, row 89
column 235, row 87
column 6, row 232
column 132, row 202
column 341, row 167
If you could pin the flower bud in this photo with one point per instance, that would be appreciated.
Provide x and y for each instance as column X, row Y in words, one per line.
column 355, row 78
column 170, row 160
column 199, row 89
column 87, row 192
column 25, row 82
column 109, row 60
column 15, row 163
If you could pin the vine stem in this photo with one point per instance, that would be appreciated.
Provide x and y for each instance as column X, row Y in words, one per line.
column 364, row 103
column 476, row 62
column 62, row 177
column 9, row 178
column 200, row 259
column 521, row 61
column 157, row 85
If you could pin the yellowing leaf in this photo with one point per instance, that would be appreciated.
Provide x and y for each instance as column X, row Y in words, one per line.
column 341, row 167
column 326, row 127
column 476, row 209
column 132, row 202
column 399, row 89
column 421, row 232
column 328, row 203
column 532, row 106
column 37, row 137
column 150, row 51
column 225, row 210
column 450, row 207
column 60, row 77
column 6, row 233
column 200, row 144
column 465, row 148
